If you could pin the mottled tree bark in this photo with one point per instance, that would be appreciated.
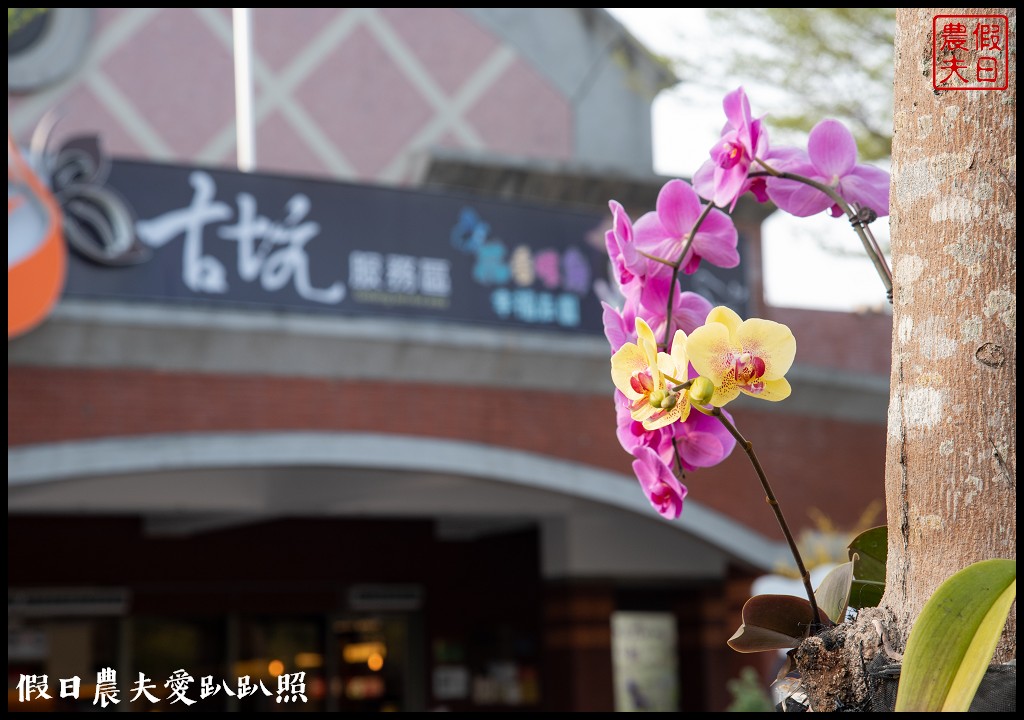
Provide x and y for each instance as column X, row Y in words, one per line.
column 951, row 453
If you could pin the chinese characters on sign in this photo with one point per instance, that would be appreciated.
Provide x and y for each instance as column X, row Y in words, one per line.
column 274, row 253
column 290, row 688
column 397, row 279
column 970, row 52
column 222, row 238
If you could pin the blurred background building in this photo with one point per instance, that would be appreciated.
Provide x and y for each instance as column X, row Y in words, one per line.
column 349, row 414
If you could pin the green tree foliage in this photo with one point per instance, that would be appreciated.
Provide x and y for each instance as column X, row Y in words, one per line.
column 823, row 62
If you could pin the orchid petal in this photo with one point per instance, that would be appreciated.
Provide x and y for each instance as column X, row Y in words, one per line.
column 644, row 332
column 648, row 232
column 786, row 158
column 643, row 411
column 678, row 207
column 659, row 484
column 729, row 184
column 678, row 356
column 700, row 449
column 867, row 186
column 725, row 394
column 627, row 361
column 623, row 229
column 758, row 139
column 651, row 237
column 654, row 294
column 677, row 413
column 631, row 434
column 667, row 365
column 772, row 342
column 708, row 348
column 737, row 107
column 616, row 329
column 691, row 310
column 716, row 240
column 692, row 262
column 832, row 149
column 774, row 390
column 727, row 316
column 611, row 244
column 704, row 180
column 796, row 198
column 699, row 422
column 649, row 345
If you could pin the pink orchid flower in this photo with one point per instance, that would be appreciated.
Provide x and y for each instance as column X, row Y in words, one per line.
column 663, row 233
column 662, row 488
column 702, row 441
column 831, row 160
column 630, row 266
column 632, row 434
column 781, row 158
column 743, row 139
column 619, row 324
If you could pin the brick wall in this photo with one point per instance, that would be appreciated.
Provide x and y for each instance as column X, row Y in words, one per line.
column 834, row 466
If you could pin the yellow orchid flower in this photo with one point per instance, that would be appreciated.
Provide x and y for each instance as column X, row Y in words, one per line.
column 748, row 356
column 646, row 377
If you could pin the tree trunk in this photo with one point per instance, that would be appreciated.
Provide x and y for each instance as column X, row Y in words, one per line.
column 951, row 452
column 950, row 480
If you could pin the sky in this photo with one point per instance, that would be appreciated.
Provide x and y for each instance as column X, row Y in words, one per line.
column 687, row 120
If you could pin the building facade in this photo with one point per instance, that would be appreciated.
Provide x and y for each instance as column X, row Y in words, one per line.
column 380, row 451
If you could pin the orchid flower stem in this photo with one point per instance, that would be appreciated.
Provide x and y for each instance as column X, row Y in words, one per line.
column 748, row 447
column 767, row 168
column 680, row 472
column 655, row 258
column 675, row 268
column 860, row 225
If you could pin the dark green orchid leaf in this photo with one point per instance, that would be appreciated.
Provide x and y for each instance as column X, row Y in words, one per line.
column 870, row 549
column 773, row 622
column 833, row 593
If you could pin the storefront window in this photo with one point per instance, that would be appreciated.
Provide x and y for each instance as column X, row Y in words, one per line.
column 376, row 663
column 169, row 651
column 287, row 656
